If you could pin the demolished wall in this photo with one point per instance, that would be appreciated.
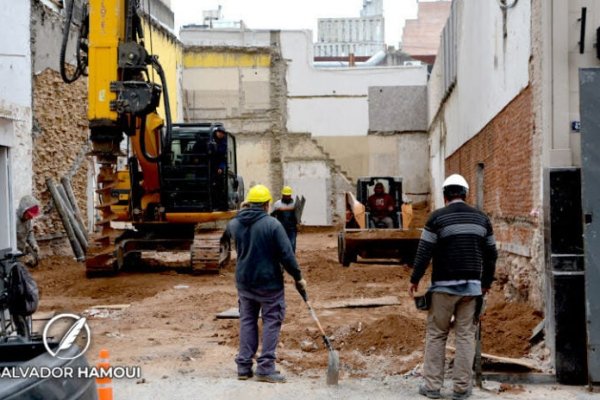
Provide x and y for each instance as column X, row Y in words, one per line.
column 245, row 87
column 60, row 144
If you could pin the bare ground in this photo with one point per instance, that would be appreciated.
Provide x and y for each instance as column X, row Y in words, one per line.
column 170, row 329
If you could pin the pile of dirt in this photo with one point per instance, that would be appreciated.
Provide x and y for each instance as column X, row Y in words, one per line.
column 394, row 334
column 420, row 214
column 507, row 327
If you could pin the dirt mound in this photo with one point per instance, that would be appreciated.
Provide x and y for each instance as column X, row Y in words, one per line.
column 507, row 327
column 396, row 334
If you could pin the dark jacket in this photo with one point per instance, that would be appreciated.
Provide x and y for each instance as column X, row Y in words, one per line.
column 460, row 239
column 286, row 214
column 263, row 248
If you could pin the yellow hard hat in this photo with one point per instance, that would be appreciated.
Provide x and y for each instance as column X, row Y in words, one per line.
column 286, row 191
column 258, row 194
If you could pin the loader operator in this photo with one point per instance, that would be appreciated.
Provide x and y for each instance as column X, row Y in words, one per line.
column 262, row 249
column 381, row 206
column 461, row 241
column 285, row 211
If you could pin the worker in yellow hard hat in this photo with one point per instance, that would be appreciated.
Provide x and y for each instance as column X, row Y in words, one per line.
column 285, row 211
column 262, row 248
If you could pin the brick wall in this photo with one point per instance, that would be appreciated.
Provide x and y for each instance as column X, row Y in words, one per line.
column 510, row 188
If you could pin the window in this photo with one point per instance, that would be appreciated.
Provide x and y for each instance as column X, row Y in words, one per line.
column 479, row 188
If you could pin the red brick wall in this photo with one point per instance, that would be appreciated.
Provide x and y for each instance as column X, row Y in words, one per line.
column 504, row 146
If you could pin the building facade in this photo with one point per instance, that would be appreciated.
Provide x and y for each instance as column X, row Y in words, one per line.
column 363, row 36
column 504, row 112
column 15, row 115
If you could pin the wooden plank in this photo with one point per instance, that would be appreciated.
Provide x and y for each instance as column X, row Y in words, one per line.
column 230, row 313
column 506, row 360
column 111, row 307
column 361, row 302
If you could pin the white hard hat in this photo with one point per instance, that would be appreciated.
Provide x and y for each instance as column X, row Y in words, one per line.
column 456, row 180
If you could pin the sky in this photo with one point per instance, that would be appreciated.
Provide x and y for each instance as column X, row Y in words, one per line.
column 293, row 14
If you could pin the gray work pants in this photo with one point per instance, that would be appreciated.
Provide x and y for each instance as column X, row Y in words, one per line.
column 443, row 306
column 272, row 304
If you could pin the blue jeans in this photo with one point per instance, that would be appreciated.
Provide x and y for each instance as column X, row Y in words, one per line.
column 292, row 236
column 272, row 304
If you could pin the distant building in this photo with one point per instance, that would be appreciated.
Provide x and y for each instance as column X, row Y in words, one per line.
column 363, row 36
column 421, row 36
column 214, row 19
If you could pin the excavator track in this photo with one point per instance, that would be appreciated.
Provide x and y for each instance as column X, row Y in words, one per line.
column 100, row 257
column 208, row 252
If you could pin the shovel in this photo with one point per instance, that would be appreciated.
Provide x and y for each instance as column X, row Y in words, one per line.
column 333, row 364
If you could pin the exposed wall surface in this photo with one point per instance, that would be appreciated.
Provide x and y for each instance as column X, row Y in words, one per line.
column 397, row 109
column 263, row 87
column 504, row 150
column 15, row 113
column 228, row 85
column 60, row 145
column 312, row 179
column 421, row 36
column 170, row 53
column 315, row 95
column 492, row 68
column 404, row 155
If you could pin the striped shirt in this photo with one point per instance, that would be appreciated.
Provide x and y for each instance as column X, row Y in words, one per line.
column 460, row 239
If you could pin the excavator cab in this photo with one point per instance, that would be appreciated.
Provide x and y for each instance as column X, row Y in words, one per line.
column 191, row 178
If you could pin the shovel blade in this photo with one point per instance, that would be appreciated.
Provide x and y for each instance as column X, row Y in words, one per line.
column 333, row 368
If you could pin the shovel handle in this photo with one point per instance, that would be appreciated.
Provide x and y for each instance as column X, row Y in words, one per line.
column 314, row 316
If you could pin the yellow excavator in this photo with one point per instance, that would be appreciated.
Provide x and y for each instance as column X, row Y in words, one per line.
column 177, row 176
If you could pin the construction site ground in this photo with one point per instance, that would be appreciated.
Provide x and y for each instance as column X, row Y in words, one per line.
column 164, row 321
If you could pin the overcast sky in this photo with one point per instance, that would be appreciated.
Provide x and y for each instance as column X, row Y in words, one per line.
column 293, row 14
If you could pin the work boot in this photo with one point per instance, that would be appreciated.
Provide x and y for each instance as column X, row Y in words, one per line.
column 461, row 395
column 244, row 376
column 432, row 394
column 275, row 377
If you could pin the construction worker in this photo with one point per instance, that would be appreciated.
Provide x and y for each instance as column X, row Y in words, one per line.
column 29, row 208
column 262, row 248
column 218, row 153
column 285, row 211
column 381, row 206
column 461, row 241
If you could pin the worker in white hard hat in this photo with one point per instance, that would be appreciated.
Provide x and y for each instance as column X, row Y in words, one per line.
column 460, row 239
column 285, row 211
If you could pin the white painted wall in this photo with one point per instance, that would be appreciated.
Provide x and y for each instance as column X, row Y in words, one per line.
column 225, row 37
column 15, row 102
column 566, row 60
column 334, row 102
column 492, row 69
column 311, row 179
